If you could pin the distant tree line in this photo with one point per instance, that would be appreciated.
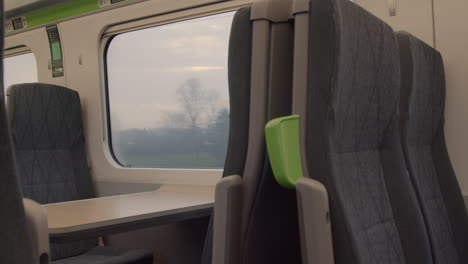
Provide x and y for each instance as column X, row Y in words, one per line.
column 193, row 137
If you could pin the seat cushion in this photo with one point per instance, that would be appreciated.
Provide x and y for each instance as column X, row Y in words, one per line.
column 424, row 175
column 109, row 255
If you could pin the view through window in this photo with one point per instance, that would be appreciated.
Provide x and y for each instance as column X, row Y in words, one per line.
column 20, row 69
column 168, row 94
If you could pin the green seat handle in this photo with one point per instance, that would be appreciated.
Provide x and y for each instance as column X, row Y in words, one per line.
column 282, row 139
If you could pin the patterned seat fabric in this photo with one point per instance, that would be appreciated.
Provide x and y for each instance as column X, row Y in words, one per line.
column 48, row 138
column 15, row 243
column 239, row 61
column 108, row 255
column 269, row 214
column 422, row 125
column 352, row 137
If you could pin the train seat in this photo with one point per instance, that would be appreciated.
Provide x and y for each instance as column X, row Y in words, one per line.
column 50, row 153
column 254, row 216
column 270, row 229
column 351, row 138
column 15, row 242
column 422, row 135
column 108, row 255
column 239, row 65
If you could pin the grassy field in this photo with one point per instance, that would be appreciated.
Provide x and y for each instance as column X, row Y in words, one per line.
column 202, row 160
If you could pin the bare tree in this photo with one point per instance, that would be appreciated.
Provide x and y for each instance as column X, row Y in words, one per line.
column 212, row 107
column 193, row 99
column 175, row 119
column 201, row 106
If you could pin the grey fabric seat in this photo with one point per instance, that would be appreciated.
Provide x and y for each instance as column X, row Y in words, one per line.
column 108, row 255
column 239, row 64
column 352, row 137
column 270, row 227
column 15, row 243
column 269, row 215
column 422, row 133
column 49, row 144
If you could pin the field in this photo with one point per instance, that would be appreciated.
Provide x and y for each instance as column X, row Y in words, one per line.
column 202, row 160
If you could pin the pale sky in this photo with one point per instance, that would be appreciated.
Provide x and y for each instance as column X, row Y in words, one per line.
column 146, row 67
column 20, row 69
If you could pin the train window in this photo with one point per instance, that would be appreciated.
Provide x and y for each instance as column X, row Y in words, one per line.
column 167, row 92
column 20, row 69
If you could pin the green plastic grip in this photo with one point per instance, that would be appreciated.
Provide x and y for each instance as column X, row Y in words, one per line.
column 282, row 139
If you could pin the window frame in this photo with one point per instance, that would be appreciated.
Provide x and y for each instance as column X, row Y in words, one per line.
column 106, row 104
column 16, row 51
column 107, row 39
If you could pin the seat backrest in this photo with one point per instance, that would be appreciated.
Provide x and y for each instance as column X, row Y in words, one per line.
column 48, row 138
column 15, row 243
column 352, row 137
column 269, row 231
column 239, row 65
column 422, row 133
column 260, row 78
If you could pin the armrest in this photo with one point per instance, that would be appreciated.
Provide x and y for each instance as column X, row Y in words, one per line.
column 36, row 221
column 227, row 220
column 314, row 222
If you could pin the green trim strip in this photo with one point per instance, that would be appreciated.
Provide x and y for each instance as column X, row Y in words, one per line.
column 63, row 11
column 282, row 138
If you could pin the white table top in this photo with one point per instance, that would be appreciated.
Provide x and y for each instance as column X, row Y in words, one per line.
column 75, row 216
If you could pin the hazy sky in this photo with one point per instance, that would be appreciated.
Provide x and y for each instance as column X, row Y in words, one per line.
column 146, row 67
column 20, row 69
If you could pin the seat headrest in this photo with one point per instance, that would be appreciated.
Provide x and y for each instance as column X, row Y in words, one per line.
column 44, row 116
column 364, row 94
column 422, row 90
